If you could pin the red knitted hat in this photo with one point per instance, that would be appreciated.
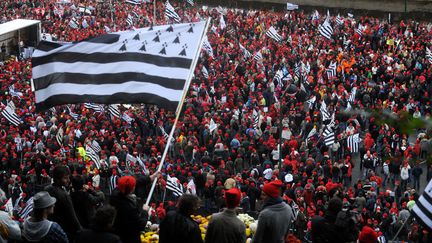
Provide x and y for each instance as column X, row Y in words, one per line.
column 126, row 184
column 232, row 197
column 367, row 235
column 273, row 188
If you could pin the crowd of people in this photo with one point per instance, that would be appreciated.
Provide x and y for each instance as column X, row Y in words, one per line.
column 246, row 138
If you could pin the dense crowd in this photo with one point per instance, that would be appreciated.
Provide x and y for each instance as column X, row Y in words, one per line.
column 239, row 128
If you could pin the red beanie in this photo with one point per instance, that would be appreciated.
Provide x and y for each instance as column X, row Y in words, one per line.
column 367, row 235
column 273, row 188
column 126, row 184
column 232, row 197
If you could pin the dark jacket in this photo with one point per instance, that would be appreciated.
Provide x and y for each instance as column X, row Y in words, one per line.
column 85, row 205
column 178, row 228
column 130, row 220
column 96, row 235
column 64, row 212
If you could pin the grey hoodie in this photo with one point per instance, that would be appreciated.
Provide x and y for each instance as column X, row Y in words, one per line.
column 35, row 231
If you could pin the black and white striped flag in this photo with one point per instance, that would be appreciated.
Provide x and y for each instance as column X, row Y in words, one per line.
column 129, row 20
column 429, row 55
column 73, row 23
column 174, row 185
column 25, row 212
column 311, row 102
column 164, row 133
column 134, row 2
column 258, row 56
column 191, row 2
column 59, row 136
column 10, row 115
column 73, row 114
column 204, row 72
column 278, row 77
column 84, row 24
column 95, row 107
column 346, row 43
column 422, row 210
column 246, row 53
column 331, row 70
column 114, row 110
column 360, row 29
column 95, row 146
column 256, row 119
column 207, row 47
column 353, row 142
column 329, row 135
column 272, row 33
column 325, row 29
column 93, row 156
column 325, row 114
column 170, row 12
column 141, row 66
column 339, row 20
column 14, row 93
column 112, row 184
column 125, row 117
column 352, row 95
column 297, row 69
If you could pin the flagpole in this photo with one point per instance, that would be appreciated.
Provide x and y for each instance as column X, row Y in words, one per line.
column 179, row 107
column 154, row 12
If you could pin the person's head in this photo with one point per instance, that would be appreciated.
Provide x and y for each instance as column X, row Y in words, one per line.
column 188, row 204
column 105, row 216
column 126, row 184
column 61, row 175
column 43, row 205
column 367, row 235
column 271, row 190
column 334, row 206
column 77, row 182
column 232, row 198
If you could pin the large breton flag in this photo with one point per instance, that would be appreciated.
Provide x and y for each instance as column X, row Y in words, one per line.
column 422, row 210
column 325, row 29
column 148, row 65
column 272, row 33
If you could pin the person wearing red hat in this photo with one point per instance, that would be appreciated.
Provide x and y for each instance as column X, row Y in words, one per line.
column 130, row 220
column 367, row 235
column 273, row 220
column 225, row 227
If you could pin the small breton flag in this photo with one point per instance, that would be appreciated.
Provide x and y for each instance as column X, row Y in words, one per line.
column 174, row 185
column 170, row 12
column 339, row 20
column 207, row 47
column 10, row 115
column 272, row 33
column 191, row 2
column 73, row 23
column 422, row 210
column 84, row 24
column 135, row 2
column 114, row 110
column 352, row 95
column 72, row 114
column 191, row 188
column 95, row 146
column 353, row 143
column 59, row 136
column 245, row 51
column 258, row 56
column 256, row 119
column 95, row 107
column 429, row 55
column 331, row 70
column 360, row 29
column 164, row 133
column 325, row 29
column 25, row 212
column 291, row 6
column 329, row 135
column 325, row 114
column 93, row 156
column 129, row 20
column 278, row 77
column 204, row 72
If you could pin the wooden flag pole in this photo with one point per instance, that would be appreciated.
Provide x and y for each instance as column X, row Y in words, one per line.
column 154, row 12
column 179, row 107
